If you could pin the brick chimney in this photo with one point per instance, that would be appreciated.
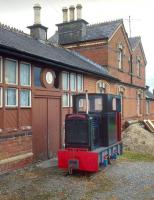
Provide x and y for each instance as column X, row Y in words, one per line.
column 73, row 30
column 38, row 31
column 65, row 14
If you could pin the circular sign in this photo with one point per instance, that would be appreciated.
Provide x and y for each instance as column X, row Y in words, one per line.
column 49, row 77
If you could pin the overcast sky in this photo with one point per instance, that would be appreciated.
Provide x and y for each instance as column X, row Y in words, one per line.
column 19, row 14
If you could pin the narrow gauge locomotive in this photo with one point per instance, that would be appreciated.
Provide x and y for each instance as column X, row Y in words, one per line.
column 92, row 133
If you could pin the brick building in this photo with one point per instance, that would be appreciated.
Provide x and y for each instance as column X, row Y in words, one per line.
column 108, row 45
column 38, row 78
column 37, row 81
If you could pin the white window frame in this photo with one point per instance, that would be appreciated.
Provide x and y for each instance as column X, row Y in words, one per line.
column 147, row 107
column 68, row 81
column 139, row 105
column 82, row 83
column 1, row 96
column 11, row 106
column 120, row 51
column 66, row 106
column 29, row 74
column 1, row 69
column 74, row 81
column 30, row 97
column 16, row 72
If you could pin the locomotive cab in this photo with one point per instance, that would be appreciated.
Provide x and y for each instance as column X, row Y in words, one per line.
column 92, row 132
column 96, row 127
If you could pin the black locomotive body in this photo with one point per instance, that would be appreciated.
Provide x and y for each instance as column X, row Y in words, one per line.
column 94, row 127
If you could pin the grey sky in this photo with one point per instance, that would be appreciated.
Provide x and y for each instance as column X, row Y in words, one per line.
column 19, row 14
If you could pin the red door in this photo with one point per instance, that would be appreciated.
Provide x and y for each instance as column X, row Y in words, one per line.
column 46, row 127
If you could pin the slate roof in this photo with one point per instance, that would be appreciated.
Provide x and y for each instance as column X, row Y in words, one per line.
column 95, row 31
column 134, row 41
column 25, row 44
column 102, row 30
column 149, row 95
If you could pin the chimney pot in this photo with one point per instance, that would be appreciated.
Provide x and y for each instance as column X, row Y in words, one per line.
column 71, row 8
column 37, row 14
column 65, row 14
column 79, row 11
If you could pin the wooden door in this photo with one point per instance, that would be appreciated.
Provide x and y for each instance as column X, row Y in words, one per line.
column 54, row 128
column 46, row 127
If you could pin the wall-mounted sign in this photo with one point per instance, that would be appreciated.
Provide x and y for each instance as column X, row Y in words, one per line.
column 48, row 77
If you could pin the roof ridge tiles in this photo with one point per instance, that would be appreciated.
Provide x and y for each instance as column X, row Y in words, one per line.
column 13, row 29
column 105, row 22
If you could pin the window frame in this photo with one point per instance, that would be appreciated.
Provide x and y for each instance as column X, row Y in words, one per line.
column 81, row 75
column 68, row 80
column 17, row 68
column 68, row 102
column 30, row 80
column 30, row 98
column 1, row 69
column 75, row 81
column 139, row 68
column 11, row 106
column 1, row 97
column 148, row 107
column 120, row 58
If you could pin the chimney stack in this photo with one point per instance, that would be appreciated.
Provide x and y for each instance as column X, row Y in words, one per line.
column 153, row 91
column 71, row 8
column 37, row 14
column 38, row 31
column 65, row 14
column 79, row 11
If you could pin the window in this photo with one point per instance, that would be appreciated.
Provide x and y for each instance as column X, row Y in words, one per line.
column 0, row 70
column 11, row 95
column 120, row 52
column 25, row 98
column 139, row 104
column 147, row 107
column 98, row 104
column 73, row 82
column 1, row 97
column 80, row 83
column 25, row 74
column 65, row 100
column 138, row 68
column 37, row 77
column 101, row 87
column 122, row 104
column 11, row 75
column 65, row 81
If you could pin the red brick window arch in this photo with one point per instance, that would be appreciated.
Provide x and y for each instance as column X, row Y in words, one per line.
column 102, row 86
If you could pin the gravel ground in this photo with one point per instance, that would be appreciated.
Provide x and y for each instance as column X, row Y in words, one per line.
column 124, row 180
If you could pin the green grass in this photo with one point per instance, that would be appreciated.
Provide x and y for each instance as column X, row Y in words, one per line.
column 133, row 156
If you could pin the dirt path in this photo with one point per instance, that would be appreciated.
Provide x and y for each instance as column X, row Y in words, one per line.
column 122, row 181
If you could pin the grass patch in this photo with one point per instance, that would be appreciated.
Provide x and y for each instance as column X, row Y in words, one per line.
column 129, row 155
